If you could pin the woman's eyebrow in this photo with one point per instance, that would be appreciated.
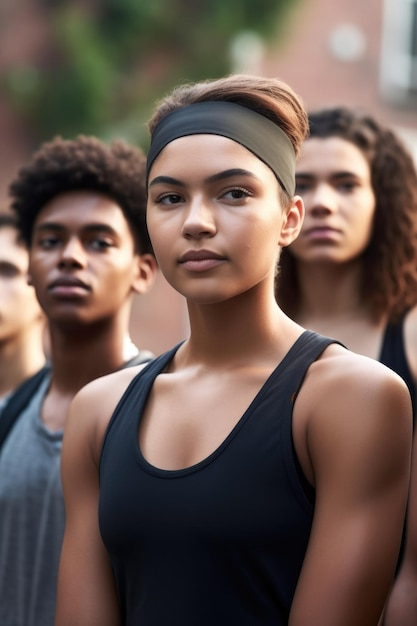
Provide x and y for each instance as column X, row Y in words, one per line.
column 229, row 174
column 167, row 180
column 210, row 179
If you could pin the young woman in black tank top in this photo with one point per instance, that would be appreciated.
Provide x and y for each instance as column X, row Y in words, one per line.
column 352, row 272
column 257, row 473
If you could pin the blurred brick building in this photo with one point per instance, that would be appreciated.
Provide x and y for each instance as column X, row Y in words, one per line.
column 355, row 52
column 158, row 319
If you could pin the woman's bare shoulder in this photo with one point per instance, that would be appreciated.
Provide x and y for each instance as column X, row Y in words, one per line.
column 345, row 386
column 356, row 388
column 106, row 388
column 93, row 406
column 352, row 411
column 341, row 364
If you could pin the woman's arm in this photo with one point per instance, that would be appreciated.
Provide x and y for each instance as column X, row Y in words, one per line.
column 86, row 588
column 401, row 607
column 358, row 440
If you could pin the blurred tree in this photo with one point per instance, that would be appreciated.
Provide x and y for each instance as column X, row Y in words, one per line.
column 108, row 60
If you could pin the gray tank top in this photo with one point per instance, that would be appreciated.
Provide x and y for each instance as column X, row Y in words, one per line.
column 31, row 519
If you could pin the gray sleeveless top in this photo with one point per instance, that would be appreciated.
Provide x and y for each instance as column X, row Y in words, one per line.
column 31, row 519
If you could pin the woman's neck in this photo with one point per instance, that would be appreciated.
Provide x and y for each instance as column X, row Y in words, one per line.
column 329, row 292
column 330, row 303
column 239, row 330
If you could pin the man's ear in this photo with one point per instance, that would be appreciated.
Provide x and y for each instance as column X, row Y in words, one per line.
column 145, row 274
column 292, row 222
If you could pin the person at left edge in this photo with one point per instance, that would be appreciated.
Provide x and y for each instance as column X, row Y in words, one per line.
column 22, row 323
column 81, row 209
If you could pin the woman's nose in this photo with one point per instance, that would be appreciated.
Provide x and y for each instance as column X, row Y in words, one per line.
column 199, row 219
column 321, row 199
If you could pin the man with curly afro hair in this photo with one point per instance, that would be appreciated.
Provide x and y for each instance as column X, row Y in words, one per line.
column 81, row 209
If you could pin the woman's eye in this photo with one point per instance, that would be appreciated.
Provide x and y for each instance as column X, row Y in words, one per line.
column 170, row 198
column 236, row 194
column 48, row 242
column 348, row 186
column 301, row 187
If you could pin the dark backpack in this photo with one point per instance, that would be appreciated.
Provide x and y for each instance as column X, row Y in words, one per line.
column 19, row 399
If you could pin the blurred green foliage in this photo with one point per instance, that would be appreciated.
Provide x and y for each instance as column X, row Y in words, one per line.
column 109, row 60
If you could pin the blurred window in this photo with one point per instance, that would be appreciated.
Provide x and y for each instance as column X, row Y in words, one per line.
column 398, row 72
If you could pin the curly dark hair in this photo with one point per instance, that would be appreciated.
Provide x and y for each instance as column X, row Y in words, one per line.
column 389, row 278
column 117, row 170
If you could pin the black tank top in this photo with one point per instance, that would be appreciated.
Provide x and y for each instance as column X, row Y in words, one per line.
column 393, row 356
column 221, row 542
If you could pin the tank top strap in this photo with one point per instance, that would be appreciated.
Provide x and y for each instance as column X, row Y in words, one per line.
column 307, row 349
column 394, row 356
column 392, row 339
column 135, row 393
column 288, row 379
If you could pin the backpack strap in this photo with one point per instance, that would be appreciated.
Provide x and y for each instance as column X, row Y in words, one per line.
column 21, row 396
column 18, row 401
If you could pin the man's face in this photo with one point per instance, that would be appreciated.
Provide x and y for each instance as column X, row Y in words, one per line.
column 83, row 261
column 19, row 307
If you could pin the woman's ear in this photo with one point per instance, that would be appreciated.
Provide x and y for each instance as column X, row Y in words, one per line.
column 292, row 222
column 145, row 274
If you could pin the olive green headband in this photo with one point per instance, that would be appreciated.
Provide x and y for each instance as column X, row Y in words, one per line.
column 254, row 131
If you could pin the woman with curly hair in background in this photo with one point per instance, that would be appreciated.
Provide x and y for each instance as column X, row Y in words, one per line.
column 352, row 272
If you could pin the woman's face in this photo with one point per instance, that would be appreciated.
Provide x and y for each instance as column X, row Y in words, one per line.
column 215, row 218
column 334, row 179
